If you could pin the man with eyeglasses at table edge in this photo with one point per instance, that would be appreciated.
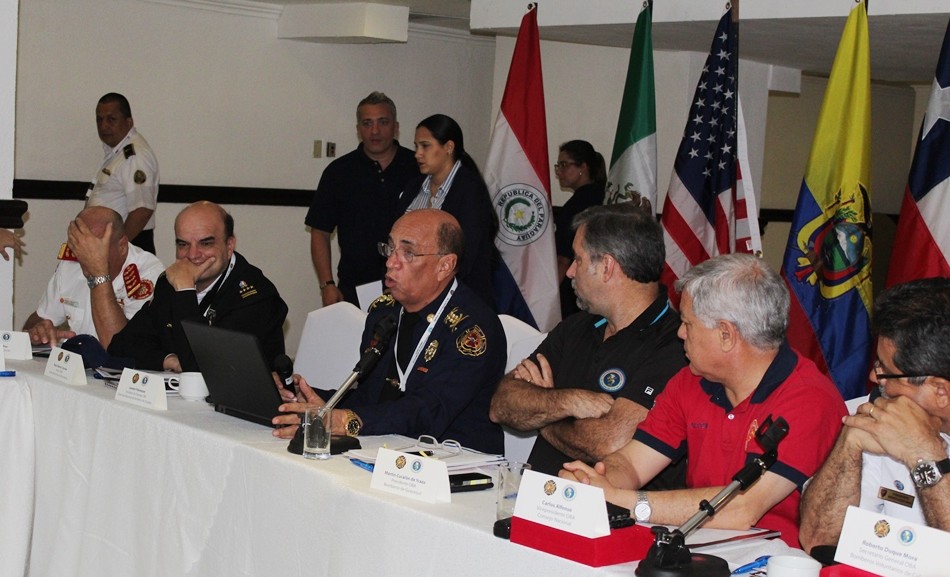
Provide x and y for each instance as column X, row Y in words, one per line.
column 893, row 454
column 450, row 346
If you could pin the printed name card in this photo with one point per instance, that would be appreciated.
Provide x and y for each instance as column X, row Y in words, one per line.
column 66, row 367
column 414, row 476
column 142, row 389
column 890, row 546
column 16, row 345
column 561, row 504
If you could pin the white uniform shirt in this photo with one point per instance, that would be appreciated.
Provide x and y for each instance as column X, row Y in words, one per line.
column 126, row 183
column 879, row 474
column 67, row 295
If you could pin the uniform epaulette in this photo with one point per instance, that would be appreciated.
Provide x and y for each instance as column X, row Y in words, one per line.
column 382, row 300
column 129, row 150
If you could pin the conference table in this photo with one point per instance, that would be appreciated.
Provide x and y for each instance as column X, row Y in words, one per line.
column 94, row 486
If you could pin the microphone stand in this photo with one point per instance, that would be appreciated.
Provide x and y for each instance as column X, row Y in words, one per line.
column 381, row 334
column 670, row 557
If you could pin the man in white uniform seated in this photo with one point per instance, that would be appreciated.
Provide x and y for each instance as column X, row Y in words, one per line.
column 100, row 282
column 892, row 454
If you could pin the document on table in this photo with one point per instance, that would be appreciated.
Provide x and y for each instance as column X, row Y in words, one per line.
column 111, row 377
column 463, row 460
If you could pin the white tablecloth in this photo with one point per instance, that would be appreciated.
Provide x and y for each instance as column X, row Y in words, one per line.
column 128, row 492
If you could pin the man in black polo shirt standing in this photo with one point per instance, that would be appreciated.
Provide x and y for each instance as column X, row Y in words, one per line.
column 357, row 197
column 596, row 375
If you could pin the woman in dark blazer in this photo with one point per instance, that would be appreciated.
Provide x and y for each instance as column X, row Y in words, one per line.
column 450, row 181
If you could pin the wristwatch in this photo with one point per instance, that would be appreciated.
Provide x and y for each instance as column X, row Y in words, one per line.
column 324, row 285
column 353, row 424
column 94, row 281
column 928, row 473
column 642, row 511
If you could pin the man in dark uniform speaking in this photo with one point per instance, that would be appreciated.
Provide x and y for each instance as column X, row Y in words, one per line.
column 209, row 281
column 439, row 372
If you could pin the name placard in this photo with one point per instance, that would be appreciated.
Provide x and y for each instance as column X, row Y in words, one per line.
column 16, row 345
column 142, row 389
column 420, row 478
column 561, row 504
column 891, row 546
column 66, row 367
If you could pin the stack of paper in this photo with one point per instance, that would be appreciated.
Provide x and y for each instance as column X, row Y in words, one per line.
column 456, row 459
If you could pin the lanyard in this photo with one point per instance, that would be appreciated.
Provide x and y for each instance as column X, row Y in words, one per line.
column 404, row 375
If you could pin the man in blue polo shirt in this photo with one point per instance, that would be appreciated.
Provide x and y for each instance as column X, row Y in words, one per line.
column 357, row 197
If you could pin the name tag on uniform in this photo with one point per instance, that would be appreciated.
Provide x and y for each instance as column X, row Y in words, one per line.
column 896, row 497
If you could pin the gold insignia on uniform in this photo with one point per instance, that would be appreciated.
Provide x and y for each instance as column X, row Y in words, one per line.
column 382, row 300
column 132, row 280
column 246, row 290
column 431, row 349
column 472, row 342
column 454, row 317
column 139, row 177
column 429, row 317
column 65, row 253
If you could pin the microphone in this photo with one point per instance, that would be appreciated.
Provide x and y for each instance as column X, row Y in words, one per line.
column 382, row 333
column 669, row 556
column 284, row 367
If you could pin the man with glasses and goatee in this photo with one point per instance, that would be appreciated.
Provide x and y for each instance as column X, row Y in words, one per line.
column 440, row 369
column 892, row 454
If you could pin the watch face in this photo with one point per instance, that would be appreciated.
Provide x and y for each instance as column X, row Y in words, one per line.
column 642, row 511
column 925, row 474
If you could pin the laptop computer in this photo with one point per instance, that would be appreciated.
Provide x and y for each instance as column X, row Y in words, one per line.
column 233, row 366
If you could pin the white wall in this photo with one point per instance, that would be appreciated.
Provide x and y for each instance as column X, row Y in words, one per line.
column 223, row 102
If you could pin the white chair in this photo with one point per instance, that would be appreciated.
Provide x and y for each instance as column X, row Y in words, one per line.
column 330, row 345
column 523, row 339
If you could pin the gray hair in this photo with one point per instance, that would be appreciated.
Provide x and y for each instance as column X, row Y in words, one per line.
column 743, row 290
column 376, row 98
column 630, row 235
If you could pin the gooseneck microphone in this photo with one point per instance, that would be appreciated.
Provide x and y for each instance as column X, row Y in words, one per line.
column 382, row 333
column 669, row 556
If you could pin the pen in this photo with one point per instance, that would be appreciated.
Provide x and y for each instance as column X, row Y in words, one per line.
column 362, row 465
column 748, row 567
column 7, row 373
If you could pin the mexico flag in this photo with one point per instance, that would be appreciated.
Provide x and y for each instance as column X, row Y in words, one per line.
column 526, row 284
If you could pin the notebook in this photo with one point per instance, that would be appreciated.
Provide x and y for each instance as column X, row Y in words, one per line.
column 238, row 377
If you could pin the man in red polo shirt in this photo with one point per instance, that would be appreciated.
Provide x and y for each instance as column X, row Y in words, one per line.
column 734, row 314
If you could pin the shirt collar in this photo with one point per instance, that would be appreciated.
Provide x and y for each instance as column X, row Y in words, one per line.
column 652, row 315
column 778, row 372
column 113, row 150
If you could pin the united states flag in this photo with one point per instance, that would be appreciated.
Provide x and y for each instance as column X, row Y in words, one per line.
column 699, row 212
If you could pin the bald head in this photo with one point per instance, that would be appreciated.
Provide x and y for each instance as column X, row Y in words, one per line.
column 207, row 211
column 97, row 217
column 435, row 241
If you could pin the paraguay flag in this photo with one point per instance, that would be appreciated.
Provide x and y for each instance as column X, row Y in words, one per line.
column 922, row 241
column 526, row 283
column 827, row 262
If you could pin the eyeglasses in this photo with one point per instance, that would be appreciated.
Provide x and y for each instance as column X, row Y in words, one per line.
column 912, row 378
column 407, row 256
column 429, row 446
column 562, row 164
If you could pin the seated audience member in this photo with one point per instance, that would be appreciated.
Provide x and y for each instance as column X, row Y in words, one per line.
column 439, row 372
column 580, row 169
column 741, row 370
column 9, row 239
column 208, row 282
column 595, row 376
column 100, row 282
column 451, row 181
column 892, row 454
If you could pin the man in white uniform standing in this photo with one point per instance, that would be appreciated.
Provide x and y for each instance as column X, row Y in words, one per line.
column 127, row 180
